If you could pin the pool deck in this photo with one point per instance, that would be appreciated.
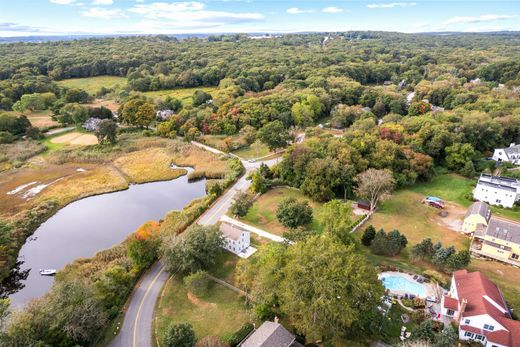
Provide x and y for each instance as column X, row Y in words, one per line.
column 429, row 288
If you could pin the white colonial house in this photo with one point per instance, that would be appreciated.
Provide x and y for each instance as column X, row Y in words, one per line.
column 236, row 240
column 478, row 307
column 510, row 154
column 496, row 190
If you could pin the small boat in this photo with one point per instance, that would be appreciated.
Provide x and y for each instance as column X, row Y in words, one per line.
column 47, row 272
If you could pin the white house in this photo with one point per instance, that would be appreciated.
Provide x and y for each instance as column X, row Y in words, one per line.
column 496, row 190
column 478, row 307
column 236, row 240
column 510, row 154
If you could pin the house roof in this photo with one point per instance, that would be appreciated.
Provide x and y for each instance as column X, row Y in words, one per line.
column 513, row 149
column 231, row 231
column 499, row 182
column 504, row 230
column 480, row 208
column 271, row 334
column 484, row 297
column 451, row 303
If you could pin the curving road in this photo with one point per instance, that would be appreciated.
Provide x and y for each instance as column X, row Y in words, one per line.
column 136, row 330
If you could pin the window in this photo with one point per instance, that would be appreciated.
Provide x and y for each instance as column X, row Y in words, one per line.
column 479, row 337
column 468, row 334
column 489, row 327
column 515, row 256
column 450, row 312
column 466, row 321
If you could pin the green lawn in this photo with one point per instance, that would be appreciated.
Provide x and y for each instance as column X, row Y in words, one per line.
column 92, row 84
column 450, row 187
column 404, row 212
column 253, row 151
column 263, row 212
column 220, row 312
column 183, row 94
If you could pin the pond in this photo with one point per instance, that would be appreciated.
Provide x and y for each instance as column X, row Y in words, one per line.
column 86, row 226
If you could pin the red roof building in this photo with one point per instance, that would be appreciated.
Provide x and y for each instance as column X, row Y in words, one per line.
column 479, row 308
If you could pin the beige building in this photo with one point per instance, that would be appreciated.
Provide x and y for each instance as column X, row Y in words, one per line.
column 478, row 213
column 492, row 237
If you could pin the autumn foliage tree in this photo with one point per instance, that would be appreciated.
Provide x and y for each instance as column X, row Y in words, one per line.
column 143, row 245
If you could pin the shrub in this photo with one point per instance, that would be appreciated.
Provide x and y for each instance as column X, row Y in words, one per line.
column 241, row 204
column 179, row 335
column 6, row 137
column 240, row 334
column 368, row 235
column 292, row 213
column 197, row 283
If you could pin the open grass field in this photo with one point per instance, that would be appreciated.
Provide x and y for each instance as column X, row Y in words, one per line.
column 404, row 212
column 183, row 94
column 263, row 212
column 75, row 138
column 92, row 84
column 256, row 150
column 220, row 312
column 112, row 105
column 38, row 119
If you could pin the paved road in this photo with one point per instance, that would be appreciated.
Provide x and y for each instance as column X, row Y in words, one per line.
column 137, row 326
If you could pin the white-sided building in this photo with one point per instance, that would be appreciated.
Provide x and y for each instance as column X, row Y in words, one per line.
column 510, row 154
column 478, row 307
column 236, row 240
column 496, row 190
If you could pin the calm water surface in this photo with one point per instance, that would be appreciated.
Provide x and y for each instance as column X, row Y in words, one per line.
column 87, row 226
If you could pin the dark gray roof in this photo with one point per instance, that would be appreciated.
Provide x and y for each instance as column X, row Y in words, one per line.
column 514, row 149
column 480, row 208
column 504, row 230
column 270, row 334
column 499, row 182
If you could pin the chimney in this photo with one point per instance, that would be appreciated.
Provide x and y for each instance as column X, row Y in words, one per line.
column 462, row 308
column 276, row 319
column 512, row 144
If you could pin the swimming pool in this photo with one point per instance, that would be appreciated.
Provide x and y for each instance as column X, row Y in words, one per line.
column 402, row 285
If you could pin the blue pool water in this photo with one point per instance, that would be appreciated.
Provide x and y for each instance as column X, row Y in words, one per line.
column 398, row 283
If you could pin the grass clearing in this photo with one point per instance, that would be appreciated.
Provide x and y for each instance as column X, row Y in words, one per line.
column 75, row 138
column 39, row 119
column 220, row 312
column 404, row 212
column 92, row 84
column 205, row 163
column 263, row 212
column 253, row 151
column 112, row 105
column 183, row 94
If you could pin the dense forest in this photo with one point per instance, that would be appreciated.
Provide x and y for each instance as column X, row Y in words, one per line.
column 153, row 63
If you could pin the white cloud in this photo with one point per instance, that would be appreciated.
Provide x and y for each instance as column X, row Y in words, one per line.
column 479, row 19
column 392, row 5
column 63, row 2
column 188, row 14
column 296, row 10
column 102, row 2
column 103, row 13
column 332, row 9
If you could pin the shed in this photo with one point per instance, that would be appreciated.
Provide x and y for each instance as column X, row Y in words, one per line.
column 363, row 204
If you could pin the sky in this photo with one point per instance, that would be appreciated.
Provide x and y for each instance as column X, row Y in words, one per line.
column 77, row 17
